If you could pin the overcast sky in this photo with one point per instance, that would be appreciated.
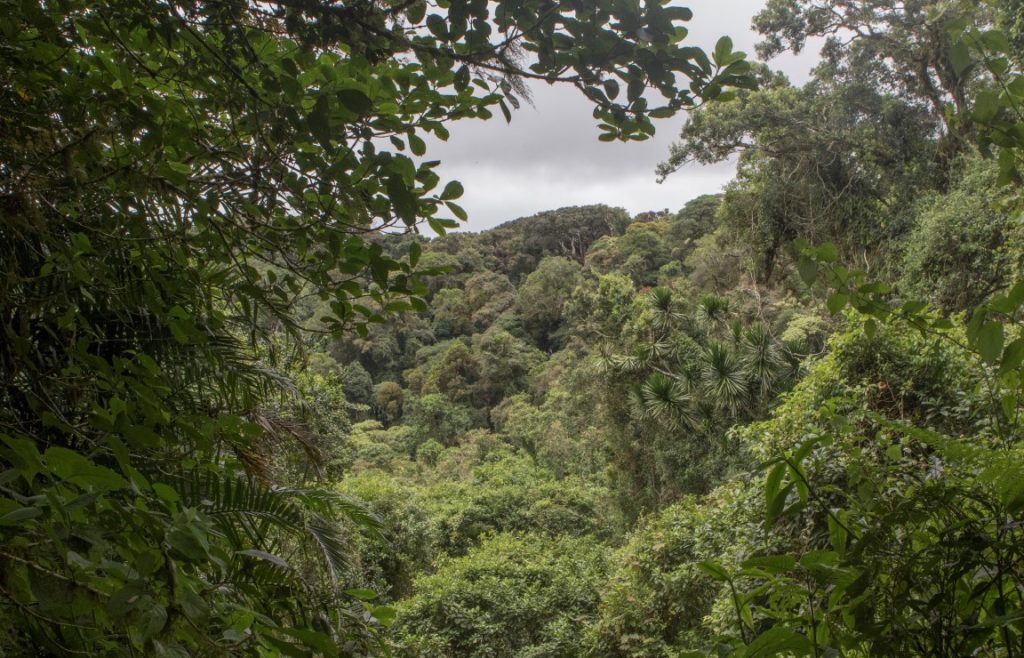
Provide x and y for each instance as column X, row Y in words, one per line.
column 549, row 156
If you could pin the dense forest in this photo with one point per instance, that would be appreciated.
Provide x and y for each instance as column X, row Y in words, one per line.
column 266, row 392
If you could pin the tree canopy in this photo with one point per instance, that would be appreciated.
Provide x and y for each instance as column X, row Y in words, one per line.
column 257, row 400
column 182, row 185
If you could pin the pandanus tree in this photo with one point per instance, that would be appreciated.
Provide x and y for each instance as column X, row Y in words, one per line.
column 682, row 374
column 701, row 369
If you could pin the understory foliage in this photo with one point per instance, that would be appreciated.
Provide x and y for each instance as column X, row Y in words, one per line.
column 523, row 596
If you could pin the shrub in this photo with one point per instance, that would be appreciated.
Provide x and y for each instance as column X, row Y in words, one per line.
column 516, row 596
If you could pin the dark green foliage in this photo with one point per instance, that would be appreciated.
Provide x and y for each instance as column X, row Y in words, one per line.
column 906, row 48
column 964, row 247
column 357, row 383
column 826, row 162
column 601, row 307
column 657, row 598
column 388, row 401
column 452, row 313
column 891, row 534
column 541, row 299
column 513, row 494
column 437, row 418
column 639, row 252
column 695, row 220
column 515, row 595
column 411, row 531
column 516, row 248
column 488, row 294
column 505, row 363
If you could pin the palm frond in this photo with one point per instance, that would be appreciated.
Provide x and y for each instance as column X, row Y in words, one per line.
column 712, row 310
column 667, row 400
column 736, row 330
column 723, row 378
column 761, row 356
column 663, row 308
column 335, row 504
column 628, row 363
column 655, row 351
column 660, row 300
column 252, row 516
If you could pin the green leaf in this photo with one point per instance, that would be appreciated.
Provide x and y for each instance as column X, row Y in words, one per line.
column 773, row 564
column 320, row 122
column 1013, row 356
column 1009, row 405
column 72, row 467
column 453, row 190
column 715, row 570
column 679, row 13
column 187, row 542
column 21, row 514
column 913, row 307
column 836, row 302
column 827, row 253
column 362, row 594
column 1016, row 295
column 416, row 11
column 402, row 200
column 23, row 455
column 165, row 492
column 777, row 506
column 127, row 598
column 314, row 640
column 355, row 101
column 265, row 557
column 462, row 78
column 457, row 210
column 153, row 620
column 772, row 486
column 817, row 560
column 194, row 606
column 986, row 106
column 384, row 614
column 723, row 48
column 417, row 145
column 414, row 253
column 837, row 534
column 777, row 641
column 960, row 57
column 808, row 270
column 989, row 342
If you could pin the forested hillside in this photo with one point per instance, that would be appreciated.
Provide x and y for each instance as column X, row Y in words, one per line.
column 267, row 392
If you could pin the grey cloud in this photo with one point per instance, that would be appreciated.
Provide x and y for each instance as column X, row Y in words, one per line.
column 549, row 156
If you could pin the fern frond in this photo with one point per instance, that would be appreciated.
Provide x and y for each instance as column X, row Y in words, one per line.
column 252, row 516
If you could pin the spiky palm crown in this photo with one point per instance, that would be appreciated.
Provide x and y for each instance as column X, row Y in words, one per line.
column 707, row 362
